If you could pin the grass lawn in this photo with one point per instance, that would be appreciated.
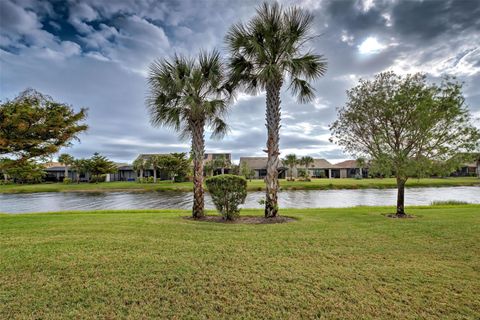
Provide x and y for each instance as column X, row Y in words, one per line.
column 332, row 263
column 253, row 185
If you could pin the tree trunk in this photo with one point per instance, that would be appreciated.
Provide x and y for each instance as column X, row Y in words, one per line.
column 273, row 137
column 198, row 148
column 155, row 175
column 401, row 196
column 222, row 170
column 141, row 173
column 66, row 172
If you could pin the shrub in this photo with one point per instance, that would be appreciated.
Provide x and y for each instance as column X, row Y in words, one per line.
column 67, row 180
column 228, row 192
column 150, row 179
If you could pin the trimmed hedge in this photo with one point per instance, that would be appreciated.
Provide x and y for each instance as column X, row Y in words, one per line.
column 228, row 192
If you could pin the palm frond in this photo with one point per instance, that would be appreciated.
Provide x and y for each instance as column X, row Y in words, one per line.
column 302, row 89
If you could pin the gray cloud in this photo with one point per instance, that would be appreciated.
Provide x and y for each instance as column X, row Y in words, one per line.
column 95, row 54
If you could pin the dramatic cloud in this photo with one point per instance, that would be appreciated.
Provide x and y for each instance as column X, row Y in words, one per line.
column 95, row 54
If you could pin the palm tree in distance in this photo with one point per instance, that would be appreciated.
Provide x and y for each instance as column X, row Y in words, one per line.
column 154, row 163
column 307, row 161
column 265, row 52
column 290, row 161
column 188, row 95
column 66, row 160
column 139, row 165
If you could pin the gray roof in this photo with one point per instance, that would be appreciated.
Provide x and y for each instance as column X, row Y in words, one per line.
column 261, row 163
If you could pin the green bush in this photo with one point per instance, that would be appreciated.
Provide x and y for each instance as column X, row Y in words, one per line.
column 150, row 179
column 67, row 180
column 228, row 192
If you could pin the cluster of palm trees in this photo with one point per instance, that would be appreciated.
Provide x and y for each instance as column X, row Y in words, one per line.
column 174, row 164
column 291, row 161
column 192, row 94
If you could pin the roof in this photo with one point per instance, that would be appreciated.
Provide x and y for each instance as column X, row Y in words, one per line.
column 55, row 168
column 52, row 164
column 254, row 162
column 348, row 164
column 261, row 163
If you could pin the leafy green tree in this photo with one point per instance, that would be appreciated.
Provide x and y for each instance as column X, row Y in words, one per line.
column 208, row 168
column 23, row 171
column 266, row 51
column 80, row 166
column 180, row 166
column 290, row 161
column 406, row 126
column 33, row 125
column 306, row 161
column 100, row 165
column 221, row 162
column 188, row 95
column 246, row 171
column 67, row 161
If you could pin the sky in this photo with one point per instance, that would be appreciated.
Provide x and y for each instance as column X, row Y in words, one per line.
column 95, row 54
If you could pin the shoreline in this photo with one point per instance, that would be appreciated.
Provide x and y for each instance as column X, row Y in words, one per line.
column 254, row 185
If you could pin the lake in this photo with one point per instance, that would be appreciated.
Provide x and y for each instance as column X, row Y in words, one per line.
column 60, row 201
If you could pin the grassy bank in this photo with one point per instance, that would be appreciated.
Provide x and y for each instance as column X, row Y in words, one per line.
column 254, row 185
column 331, row 263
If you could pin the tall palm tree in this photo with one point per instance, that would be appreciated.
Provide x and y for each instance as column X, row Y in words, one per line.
column 265, row 52
column 307, row 161
column 67, row 161
column 188, row 95
column 291, row 161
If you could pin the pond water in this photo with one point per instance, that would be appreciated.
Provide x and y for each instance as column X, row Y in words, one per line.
column 59, row 201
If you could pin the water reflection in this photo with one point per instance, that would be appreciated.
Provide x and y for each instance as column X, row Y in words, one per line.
column 58, row 201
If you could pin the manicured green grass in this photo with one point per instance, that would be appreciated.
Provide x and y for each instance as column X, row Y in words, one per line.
column 332, row 264
column 253, row 185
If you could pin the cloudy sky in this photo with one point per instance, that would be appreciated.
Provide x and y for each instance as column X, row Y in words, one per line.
column 96, row 54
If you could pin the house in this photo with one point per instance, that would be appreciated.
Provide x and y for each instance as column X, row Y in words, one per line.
column 469, row 169
column 55, row 172
column 350, row 169
column 211, row 157
column 259, row 165
column 125, row 173
column 148, row 172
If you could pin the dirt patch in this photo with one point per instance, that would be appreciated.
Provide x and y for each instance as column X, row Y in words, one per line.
column 244, row 220
column 396, row 216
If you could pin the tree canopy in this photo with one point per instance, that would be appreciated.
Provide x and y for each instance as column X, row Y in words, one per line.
column 34, row 125
column 406, row 126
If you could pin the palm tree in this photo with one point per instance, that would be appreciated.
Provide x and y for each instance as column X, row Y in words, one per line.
column 221, row 162
column 139, row 165
column 290, row 161
column 307, row 161
column 154, row 162
column 265, row 52
column 188, row 95
column 67, row 161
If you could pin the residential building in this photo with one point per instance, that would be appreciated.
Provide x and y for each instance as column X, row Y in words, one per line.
column 350, row 169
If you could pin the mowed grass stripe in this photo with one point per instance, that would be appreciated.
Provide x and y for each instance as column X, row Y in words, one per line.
column 331, row 263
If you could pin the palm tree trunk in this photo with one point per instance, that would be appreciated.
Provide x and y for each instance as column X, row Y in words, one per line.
column 401, row 196
column 154, row 175
column 273, row 137
column 198, row 148
column 66, row 172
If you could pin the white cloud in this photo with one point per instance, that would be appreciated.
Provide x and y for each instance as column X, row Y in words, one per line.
column 371, row 46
